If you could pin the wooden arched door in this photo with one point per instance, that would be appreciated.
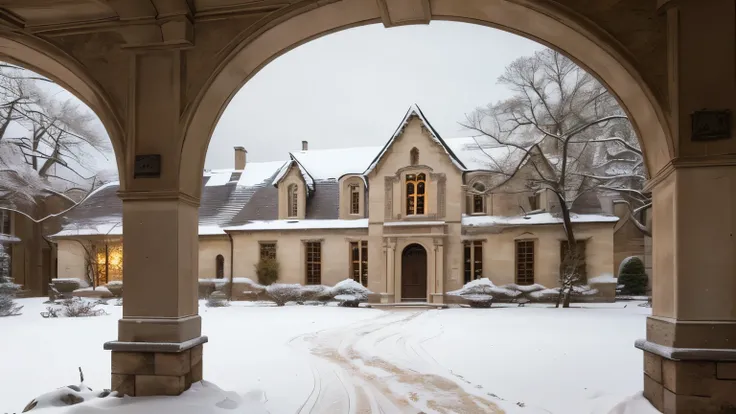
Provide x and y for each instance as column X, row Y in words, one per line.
column 414, row 274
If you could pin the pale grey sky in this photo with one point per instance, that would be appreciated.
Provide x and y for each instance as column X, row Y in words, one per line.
column 353, row 87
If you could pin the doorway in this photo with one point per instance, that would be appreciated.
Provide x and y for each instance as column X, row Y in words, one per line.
column 414, row 274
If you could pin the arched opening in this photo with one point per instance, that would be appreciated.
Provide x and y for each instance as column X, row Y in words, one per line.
column 219, row 267
column 59, row 138
column 414, row 274
column 556, row 28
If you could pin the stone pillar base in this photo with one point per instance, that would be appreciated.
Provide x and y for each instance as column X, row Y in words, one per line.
column 685, row 381
column 438, row 298
column 142, row 369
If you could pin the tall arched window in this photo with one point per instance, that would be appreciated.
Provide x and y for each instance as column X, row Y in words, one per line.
column 219, row 267
column 415, row 194
column 293, row 191
column 479, row 200
column 414, row 156
column 354, row 199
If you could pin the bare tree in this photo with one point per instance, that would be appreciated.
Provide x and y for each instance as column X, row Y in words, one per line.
column 47, row 146
column 572, row 135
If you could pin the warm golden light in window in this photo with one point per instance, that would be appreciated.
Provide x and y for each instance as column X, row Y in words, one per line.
column 415, row 194
column 109, row 261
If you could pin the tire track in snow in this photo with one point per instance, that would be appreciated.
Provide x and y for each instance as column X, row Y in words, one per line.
column 410, row 380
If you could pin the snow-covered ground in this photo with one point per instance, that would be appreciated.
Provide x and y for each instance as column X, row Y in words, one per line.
column 300, row 359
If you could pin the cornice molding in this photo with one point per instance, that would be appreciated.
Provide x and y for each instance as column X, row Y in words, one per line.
column 165, row 195
column 707, row 161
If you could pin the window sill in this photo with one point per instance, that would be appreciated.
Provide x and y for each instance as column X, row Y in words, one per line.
column 478, row 214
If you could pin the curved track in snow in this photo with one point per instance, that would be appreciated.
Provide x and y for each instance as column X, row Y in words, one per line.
column 380, row 366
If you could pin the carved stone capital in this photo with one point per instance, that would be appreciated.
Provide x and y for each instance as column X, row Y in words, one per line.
column 403, row 12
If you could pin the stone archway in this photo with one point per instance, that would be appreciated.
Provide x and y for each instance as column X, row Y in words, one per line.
column 47, row 60
column 559, row 28
column 414, row 273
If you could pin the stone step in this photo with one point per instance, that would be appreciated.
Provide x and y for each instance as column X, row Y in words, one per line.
column 412, row 305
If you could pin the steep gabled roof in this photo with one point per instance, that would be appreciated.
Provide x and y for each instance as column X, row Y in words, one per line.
column 294, row 163
column 414, row 110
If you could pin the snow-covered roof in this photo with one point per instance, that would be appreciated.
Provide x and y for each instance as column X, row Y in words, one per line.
column 413, row 223
column 335, row 163
column 116, row 229
column 294, row 163
column 255, row 173
column 414, row 110
column 111, row 227
column 300, row 225
column 531, row 219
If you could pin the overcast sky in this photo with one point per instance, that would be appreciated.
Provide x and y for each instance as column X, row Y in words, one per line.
column 353, row 87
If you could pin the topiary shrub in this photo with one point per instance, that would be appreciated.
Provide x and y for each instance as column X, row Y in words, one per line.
column 217, row 300
column 267, row 270
column 282, row 294
column 116, row 288
column 633, row 277
column 68, row 285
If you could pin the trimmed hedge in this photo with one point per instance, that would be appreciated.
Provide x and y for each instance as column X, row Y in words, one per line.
column 633, row 277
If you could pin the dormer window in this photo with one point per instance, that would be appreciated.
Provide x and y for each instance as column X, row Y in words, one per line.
column 354, row 199
column 415, row 194
column 479, row 200
column 293, row 192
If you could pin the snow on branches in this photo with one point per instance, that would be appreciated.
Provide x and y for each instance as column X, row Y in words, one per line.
column 50, row 147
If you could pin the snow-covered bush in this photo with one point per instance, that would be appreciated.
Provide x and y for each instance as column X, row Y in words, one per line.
column 632, row 275
column 319, row 293
column 267, row 270
column 481, row 292
column 74, row 308
column 208, row 286
column 8, row 289
column 116, row 288
column 284, row 293
column 350, row 293
column 217, row 300
column 577, row 291
column 93, row 292
column 68, row 285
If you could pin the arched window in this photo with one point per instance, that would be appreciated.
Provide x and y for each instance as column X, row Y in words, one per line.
column 415, row 194
column 354, row 199
column 414, row 156
column 479, row 200
column 293, row 191
column 219, row 267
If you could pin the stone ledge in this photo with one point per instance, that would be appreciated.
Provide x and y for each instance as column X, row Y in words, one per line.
column 686, row 354
column 160, row 347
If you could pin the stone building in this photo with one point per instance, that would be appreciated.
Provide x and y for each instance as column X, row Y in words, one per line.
column 411, row 220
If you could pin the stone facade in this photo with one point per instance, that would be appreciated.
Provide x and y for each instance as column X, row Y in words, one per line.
column 363, row 223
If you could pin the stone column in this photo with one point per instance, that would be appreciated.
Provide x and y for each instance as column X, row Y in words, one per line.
column 159, row 346
column 438, row 288
column 690, row 348
column 390, row 269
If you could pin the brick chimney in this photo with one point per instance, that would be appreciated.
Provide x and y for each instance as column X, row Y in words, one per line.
column 240, row 154
column 305, row 145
